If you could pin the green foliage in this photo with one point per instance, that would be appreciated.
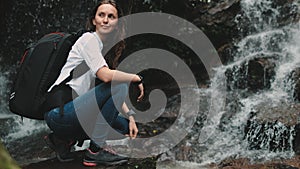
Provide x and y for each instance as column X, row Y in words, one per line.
column 6, row 161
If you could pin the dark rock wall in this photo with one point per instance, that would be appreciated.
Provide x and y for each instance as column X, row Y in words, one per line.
column 24, row 22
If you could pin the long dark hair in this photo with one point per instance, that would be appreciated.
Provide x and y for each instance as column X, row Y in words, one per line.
column 113, row 55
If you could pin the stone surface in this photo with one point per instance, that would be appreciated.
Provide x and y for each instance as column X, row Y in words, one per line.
column 294, row 82
column 253, row 75
column 272, row 127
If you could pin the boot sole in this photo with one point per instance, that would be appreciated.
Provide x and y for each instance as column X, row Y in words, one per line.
column 94, row 164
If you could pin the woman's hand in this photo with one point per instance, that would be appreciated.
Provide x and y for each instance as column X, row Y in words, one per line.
column 133, row 130
column 141, row 88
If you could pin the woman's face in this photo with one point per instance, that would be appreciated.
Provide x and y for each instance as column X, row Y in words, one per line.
column 106, row 19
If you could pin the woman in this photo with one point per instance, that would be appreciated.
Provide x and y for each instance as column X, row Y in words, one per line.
column 105, row 28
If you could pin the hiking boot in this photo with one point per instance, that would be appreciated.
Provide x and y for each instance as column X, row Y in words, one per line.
column 103, row 156
column 62, row 148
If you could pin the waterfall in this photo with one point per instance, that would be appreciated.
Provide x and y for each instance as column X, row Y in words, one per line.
column 13, row 127
column 224, row 135
column 3, row 92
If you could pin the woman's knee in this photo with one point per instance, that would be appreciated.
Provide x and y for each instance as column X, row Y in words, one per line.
column 120, row 89
column 113, row 88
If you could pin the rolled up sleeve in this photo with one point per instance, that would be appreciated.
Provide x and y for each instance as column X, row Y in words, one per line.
column 91, row 53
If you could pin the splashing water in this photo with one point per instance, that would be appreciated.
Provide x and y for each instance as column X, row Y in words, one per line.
column 12, row 126
column 264, row 38
column 3, row 92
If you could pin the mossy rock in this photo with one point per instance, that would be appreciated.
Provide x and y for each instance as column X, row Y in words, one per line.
column 6, row 161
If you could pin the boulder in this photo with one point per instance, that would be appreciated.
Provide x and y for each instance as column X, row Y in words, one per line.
column 272, row 127
column 294, row 79
column 253, row 75
column 216, row 20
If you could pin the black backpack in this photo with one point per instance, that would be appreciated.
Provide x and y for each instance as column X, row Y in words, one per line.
column 39, row 68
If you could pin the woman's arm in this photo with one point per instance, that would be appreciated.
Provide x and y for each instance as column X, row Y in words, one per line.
column 107, row 75
column 133, row 130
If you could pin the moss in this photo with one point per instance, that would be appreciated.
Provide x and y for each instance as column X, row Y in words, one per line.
column 6, row 161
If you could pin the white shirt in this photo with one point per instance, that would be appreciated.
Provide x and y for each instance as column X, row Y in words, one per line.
column 86, row 49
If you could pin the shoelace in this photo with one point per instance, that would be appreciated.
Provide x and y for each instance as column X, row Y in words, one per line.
column 109, row 149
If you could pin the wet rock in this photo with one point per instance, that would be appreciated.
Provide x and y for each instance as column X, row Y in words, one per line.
column 30, row 149
column 281, row 14
column 234, row 163
column 272, row 127
column 233, row 105
column 5, row 125
column 260, row 73
column 149, row 163
column 183, row 165
column 226, row 53
column 294, row 82
column 231, row 161
column 286, row 113
column 222, row 6
column 269, row 136
column 253, row 75
column 290, row 12
column 216, row 20
column 236, row 77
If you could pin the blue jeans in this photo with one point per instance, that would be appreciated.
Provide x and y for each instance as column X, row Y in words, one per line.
column 92, row 115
